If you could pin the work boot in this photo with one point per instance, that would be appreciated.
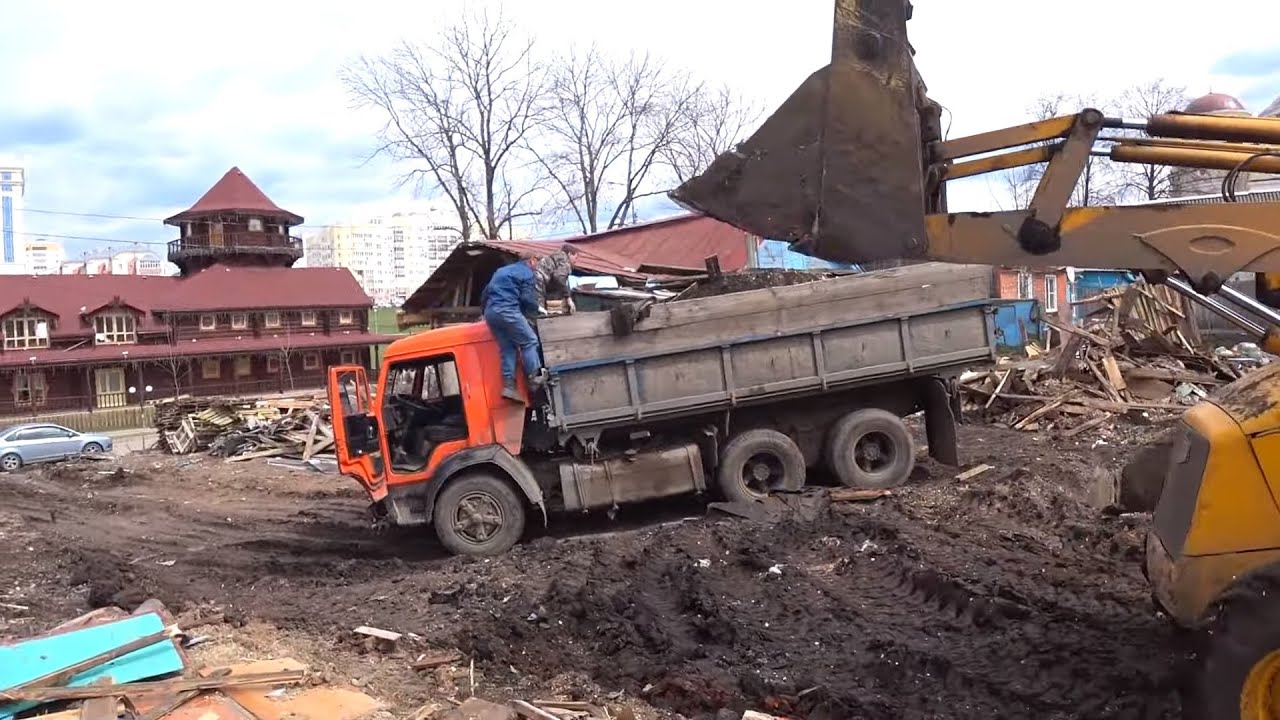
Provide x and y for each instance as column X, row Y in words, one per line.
column 510, row 392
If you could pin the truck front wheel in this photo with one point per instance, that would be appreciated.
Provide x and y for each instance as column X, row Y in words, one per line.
column 479, row 514
column 870, row 449
column 1239, row 663
column 757, row 462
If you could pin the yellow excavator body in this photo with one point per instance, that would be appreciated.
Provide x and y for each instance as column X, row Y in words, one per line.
column 1218, row 517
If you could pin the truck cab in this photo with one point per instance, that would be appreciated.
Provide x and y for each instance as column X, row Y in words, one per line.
column 437, row 415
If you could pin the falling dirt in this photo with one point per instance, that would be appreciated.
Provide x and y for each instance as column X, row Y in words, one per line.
column 1007, row 595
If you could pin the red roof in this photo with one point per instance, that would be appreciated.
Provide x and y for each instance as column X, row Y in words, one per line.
column 683, row 241
column 234, row 193
column 592, row 260
column 217, row 288
column 296, row 342
column 1214, row 102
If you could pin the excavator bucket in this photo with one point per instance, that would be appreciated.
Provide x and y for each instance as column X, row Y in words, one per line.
column 839, row 169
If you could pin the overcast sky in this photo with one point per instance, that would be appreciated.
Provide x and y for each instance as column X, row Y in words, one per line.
column 136, row 108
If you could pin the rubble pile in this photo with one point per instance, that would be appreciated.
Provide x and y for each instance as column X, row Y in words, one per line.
column 114, row 664
column 1136, row 356
column 245, row 429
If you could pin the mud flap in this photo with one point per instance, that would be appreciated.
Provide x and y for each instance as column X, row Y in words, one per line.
column 940, row 422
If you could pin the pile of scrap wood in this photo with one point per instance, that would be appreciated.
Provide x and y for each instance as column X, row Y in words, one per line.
column 245, row 429
column 111, row 664
column 1134, row 354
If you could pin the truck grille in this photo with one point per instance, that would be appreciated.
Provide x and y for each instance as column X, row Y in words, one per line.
column 1188, row 457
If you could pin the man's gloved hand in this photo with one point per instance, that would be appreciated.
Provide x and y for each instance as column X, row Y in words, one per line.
column 542, row 310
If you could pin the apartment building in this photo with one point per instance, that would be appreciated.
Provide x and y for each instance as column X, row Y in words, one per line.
column 390, row 255
column 13, row 190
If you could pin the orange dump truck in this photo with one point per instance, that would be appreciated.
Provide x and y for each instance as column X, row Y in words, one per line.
column 736, row 394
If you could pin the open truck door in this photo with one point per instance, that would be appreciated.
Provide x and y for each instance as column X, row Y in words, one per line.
column 357, row 437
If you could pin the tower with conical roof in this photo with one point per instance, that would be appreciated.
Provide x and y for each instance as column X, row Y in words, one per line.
column 234, row 223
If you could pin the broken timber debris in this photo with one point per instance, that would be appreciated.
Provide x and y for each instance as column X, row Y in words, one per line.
column 245, row 429
column 1137, row 353
column 106, row 662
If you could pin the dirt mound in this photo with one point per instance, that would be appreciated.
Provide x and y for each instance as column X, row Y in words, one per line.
column 750, row 280
column 1007, row 595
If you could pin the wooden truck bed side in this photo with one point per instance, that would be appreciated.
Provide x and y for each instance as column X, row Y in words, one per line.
column 748, row 347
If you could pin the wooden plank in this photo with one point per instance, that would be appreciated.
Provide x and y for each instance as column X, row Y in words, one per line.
column 50, row 694
column 41, row 656
column 62, row 676
column 999, row 386
column 1085, row 426
column 666, row 331
column 1043, row 410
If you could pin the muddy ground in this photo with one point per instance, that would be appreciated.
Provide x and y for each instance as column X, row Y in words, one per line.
column 1008, row 595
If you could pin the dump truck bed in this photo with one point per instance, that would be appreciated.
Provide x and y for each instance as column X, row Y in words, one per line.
column 715, row 353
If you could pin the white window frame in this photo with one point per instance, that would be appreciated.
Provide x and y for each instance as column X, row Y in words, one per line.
column 208, row 321
column 1026, row 285
column 239, row 321
column 271, row 319
column 255, row 224
column 273, row 363
column 1051, row 293
column 30, row 389
column 206, row 364
column 308, row 318
column 23, row 332
column 118, row 327
column 348, row 357
column 311, row 361
column 346, row 317
column 243, row 366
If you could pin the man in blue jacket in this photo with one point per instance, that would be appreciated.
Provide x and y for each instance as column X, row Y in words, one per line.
column 509, row 300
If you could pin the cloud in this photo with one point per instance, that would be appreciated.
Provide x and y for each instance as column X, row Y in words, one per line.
column 139, row 113
column 1251, row 62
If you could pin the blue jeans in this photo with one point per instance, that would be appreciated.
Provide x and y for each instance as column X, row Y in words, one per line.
column 515, row 337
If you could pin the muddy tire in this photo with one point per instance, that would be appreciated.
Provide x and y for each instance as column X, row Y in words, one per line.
column 91, row 449
column 1239, row 657
column 757, row 462
column 870, row 449
column 479, row 514
column 10, row 462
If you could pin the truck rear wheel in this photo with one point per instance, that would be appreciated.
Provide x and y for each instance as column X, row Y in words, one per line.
column 757, row 462
column 870, row 449
column 1239, row 663
column 479, row 514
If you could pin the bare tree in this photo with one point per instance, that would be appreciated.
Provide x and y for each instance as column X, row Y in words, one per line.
column 460, row 109
column 1097, row 184
column 1149, row 182
column 286, row 349
column 610, row 123
column 713, row 121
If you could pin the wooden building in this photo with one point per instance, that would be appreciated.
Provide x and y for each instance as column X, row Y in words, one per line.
column 237, row 320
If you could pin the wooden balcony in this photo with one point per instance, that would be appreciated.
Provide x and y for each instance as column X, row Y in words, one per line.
column 206, row 249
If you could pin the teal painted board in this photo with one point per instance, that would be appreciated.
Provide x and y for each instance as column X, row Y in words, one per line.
column 29, row 659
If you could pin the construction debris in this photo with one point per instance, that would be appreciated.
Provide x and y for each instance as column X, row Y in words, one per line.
column 116, row 665
column 1136, row 356
column 245, row 429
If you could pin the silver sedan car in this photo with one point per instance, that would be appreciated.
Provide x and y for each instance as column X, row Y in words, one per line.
column 41, row 442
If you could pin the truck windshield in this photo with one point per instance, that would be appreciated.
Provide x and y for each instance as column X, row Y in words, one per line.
column 422, row 409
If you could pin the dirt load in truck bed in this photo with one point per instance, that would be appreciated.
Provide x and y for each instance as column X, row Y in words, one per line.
column 1005, row 595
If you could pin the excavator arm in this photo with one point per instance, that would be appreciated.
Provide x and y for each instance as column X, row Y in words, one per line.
column 853, row 168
